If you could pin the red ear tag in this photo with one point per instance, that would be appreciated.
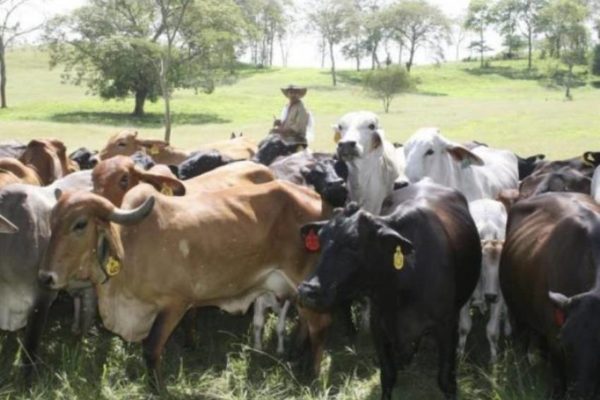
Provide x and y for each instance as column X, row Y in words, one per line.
column 311, row 241
column 559, row 317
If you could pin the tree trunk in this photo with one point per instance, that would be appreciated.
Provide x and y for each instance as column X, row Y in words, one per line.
column 400, row 50
column 568, row 83
column 411, row 56
column 481, row 47
column 529, row 46
column 323, row 52
column 2, row 76
column 332, row 56
column 164, row 86
column 358, row 62
column 140, row 100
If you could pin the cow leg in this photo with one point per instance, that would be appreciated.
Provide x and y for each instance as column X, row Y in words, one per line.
column 493, row 330
column 447, row 340
column 281, row 326
column 258, row 321
column 464, row 327
column 381, row 331
column 189, row 328
column 35, row 325
column 318, row 325
column 153, row 345
column 76, row 326
column 89, row 302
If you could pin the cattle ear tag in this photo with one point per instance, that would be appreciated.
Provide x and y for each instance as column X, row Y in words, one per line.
column 166, row 190
column 113, row 266
column 154, row 150
column 311, row 241
column 398, row 258
column 337, row 136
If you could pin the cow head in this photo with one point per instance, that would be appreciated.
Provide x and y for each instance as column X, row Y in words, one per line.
column 323, row 176
column 48, row 158
column 360, row 135
column 274, row 146
column 429, row 154
column 6, row 226
column 84, row 241
column 529, row 164
column 202, row 162
column 114, row 177
column 490, row 260
column 85, row 158
column 127, row 142
column 356, row 247
column 577, row 319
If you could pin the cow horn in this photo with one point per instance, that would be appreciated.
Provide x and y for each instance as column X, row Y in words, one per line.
column 127, row 217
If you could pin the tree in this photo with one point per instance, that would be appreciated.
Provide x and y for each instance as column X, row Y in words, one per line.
column 595, row 69
column 9, row 32
column 418, row 23
column 328, row 17
column 459, row 34
column 479, row 17
column 528, row 15
column 354, row 26
column 506, row 17
column 565, row 25
column 387, row 83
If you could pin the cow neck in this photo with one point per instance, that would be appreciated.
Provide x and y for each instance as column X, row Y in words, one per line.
column 170, row 156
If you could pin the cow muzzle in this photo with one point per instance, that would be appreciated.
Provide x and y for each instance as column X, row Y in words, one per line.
column 48, row 279
column 348, row 150
column 336, row 193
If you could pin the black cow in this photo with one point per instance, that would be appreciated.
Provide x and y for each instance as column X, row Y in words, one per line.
column 550, row 278
column 418, row 265
column 586, row 164
column 201, row 162
column 529, row 164
column 565, row 179
column 274, row 146
column 85, row 158
column 320, row 170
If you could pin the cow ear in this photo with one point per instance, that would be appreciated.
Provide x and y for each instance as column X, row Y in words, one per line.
column 377, row 139
column 109, row 251
column 341, row 169
column 395, row 239
column 464, row 156
column 304, row 171
column 164, row 184
column 175, row 170
column 508, row 197
column 312, row 226
column 310, row 236
column 561, row 304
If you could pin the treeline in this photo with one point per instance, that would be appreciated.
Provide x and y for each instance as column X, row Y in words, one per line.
column 148, row 48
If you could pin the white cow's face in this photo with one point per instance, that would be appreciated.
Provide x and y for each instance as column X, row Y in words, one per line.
column 360, row 135
column 491, row 250
column 429, row 154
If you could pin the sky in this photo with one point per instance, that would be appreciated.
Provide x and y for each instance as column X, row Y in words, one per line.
column 303, row 47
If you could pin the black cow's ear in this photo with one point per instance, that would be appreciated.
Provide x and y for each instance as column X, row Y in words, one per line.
column 395, row 239
column 341, row 169
column 312, row 226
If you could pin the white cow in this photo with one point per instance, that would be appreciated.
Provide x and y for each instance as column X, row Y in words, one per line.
column 373, row 163
column 490, row 217
column 261, row 305
column 596, row 185
column 480, row 173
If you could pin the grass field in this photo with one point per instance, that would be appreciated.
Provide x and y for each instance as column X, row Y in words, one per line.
column 502, row 105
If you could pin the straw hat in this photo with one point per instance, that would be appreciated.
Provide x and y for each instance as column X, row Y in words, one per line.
column 300, row 89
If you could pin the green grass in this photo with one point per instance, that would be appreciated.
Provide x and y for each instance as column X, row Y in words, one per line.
column 504, row 105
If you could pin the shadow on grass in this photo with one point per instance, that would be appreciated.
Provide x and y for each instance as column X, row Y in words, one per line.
column 507, row 72
column 150, row 120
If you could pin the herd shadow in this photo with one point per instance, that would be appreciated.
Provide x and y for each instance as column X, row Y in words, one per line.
column 149, row 120
column 508, row 72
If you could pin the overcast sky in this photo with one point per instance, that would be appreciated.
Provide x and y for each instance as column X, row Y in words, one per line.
column 303, row 47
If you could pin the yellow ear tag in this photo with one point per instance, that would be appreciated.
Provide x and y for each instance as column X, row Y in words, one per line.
column 154, row 150
column 586, row 162
column 113, row 266
column 166, row 190
column 337, row 137
column 398, row 259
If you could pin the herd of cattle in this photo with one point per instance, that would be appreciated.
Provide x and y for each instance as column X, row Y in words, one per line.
column 422, row 235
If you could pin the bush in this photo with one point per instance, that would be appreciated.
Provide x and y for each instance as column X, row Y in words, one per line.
column 387, row 83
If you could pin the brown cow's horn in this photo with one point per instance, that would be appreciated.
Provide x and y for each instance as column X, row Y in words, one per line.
column 127, row 217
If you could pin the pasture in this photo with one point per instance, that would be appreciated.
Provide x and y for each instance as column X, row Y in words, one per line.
column 504, row 106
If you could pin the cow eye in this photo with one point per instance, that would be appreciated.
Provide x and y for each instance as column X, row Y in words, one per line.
column 429, row 152
column 80, row 225
column 340, row 127
column 372, row 127
column 121, row 144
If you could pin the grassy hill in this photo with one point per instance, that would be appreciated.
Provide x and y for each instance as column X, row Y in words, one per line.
column 502, row 105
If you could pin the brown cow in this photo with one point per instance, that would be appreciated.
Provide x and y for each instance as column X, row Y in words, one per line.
column 550, row 278
column 159, row 256
column 14, row 171
column 127, row 142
